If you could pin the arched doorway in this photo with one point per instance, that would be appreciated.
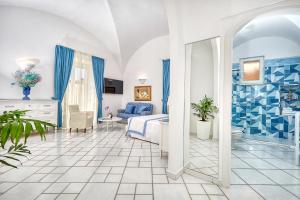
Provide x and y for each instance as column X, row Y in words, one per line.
column 231, row 27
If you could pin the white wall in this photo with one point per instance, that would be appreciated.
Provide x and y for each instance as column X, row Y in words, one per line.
column 270, row 47
column 196, row 20
column 27, row 32
column 147, row 61
column 202, row 76
column 204, row 19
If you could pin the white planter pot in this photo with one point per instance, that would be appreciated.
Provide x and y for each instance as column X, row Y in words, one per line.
column 203, row 129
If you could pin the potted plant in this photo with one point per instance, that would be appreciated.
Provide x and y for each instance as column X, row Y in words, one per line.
column 15, row 129
column 204, row 110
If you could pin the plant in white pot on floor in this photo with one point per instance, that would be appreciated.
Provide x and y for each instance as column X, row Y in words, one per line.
column 205, row 111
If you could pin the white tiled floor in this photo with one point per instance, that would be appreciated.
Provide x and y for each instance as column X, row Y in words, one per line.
column 259, row 169
column 204, row 156
column 105, row 166
column 98, row 166
column 267, row 169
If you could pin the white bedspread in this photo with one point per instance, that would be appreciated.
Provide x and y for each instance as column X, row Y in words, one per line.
column 146, row 127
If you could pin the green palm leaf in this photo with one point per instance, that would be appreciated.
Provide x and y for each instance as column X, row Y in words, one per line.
column 16, row 128
column 205, row 109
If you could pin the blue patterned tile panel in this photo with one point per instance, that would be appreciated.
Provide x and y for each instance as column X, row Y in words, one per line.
column 289, row 96
column 257, row 107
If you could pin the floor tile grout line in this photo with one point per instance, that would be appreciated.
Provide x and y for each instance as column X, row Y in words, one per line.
column 124, row 166
column 151, row 160
column 275, row 183
column 62, row 174
column 283, row 170
column 249, row 185
column 96, row 168
column 22, row 181
column 264, row 143
column 222, row 192
column 190, row 195
column 259, row 159
column 88, row 181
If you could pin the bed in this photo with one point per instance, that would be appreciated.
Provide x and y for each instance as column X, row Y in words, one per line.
column 146, row 128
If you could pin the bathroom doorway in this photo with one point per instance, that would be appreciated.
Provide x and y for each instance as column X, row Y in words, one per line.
column 266, row 102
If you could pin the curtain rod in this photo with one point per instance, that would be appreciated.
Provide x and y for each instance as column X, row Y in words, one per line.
column 61, row 43
column 88, row 54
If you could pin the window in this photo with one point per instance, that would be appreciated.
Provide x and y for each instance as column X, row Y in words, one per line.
column 252, row 70
column 81, row 88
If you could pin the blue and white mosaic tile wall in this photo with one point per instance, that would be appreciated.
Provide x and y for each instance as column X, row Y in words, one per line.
column 256, row 108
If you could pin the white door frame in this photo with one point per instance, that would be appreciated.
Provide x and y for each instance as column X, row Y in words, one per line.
column 231, row 26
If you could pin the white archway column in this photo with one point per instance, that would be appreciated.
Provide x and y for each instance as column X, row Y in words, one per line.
column 176, row 99
column 225, row 115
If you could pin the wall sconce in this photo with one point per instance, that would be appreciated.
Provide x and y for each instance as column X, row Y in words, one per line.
column 27, row 63
column 142, row 79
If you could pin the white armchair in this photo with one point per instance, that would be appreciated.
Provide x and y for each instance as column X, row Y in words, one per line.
column 79, row 119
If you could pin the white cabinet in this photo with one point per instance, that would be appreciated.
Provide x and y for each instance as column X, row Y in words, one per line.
column 45, row 110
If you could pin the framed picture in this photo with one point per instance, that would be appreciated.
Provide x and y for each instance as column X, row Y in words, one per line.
column 142, row 93
column 252, row 71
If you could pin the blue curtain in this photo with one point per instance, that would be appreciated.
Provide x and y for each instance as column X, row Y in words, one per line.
column 166, row 85
column 98, row 69
column 63, row 66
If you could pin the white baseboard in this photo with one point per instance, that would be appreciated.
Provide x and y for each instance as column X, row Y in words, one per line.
column 174, row 175
column 202, row 176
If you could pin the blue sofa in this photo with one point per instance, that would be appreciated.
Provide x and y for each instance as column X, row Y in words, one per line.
column 134, row 109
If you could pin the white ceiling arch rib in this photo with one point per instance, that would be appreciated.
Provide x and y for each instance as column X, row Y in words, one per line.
column 137, row 22
column 122, row 26
column 277, row 24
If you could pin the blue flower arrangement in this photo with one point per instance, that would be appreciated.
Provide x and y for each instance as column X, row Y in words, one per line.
column 26, row 79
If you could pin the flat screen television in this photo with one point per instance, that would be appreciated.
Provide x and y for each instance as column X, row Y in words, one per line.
column 113, row 86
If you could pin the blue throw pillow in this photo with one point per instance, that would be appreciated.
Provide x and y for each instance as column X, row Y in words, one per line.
column 140, row 109
column 136, row 108
column 129, row 109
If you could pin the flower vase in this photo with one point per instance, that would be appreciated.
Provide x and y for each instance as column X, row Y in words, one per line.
column 26, row 92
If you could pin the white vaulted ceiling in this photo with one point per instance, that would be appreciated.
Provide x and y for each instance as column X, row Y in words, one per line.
column 138, row 21
column 284, row 25
column 121, row 25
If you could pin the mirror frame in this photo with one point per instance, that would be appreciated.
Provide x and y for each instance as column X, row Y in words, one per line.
column 187, row 112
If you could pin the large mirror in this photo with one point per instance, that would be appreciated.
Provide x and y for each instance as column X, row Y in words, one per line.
column 201, row 114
